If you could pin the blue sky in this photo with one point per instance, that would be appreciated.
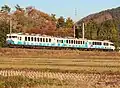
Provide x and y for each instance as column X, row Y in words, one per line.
column 66, row 8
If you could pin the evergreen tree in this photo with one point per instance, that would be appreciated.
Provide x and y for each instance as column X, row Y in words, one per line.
column 108, row 31
column 18, row 7
column 78, row 31
column 91, row 30
column 60, row 22
column 5, row 8
column 69, row 23
column 53, row 16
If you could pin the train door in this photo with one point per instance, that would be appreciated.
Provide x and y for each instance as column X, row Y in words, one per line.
column 20, row 40
column 89, row 44
column 53, row 42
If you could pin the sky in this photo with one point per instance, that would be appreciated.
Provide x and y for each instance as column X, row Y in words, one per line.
column 76, row 9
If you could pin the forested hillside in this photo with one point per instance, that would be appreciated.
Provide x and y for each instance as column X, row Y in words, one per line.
column 31, row 20
column 104, row 25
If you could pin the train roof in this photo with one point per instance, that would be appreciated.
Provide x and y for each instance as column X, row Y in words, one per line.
column 107, row 41
column 27, row 34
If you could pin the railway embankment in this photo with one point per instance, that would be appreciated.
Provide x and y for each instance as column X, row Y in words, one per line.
column 67, row 54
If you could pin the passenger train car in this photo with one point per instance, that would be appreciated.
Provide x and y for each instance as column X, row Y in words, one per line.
column 36, row 40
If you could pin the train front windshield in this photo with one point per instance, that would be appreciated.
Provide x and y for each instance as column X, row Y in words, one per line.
column 11, row 36
column 111, row 44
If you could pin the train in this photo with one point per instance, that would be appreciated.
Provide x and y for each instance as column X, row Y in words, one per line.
column 37, row 40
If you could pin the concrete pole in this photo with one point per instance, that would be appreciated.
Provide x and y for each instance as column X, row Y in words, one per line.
column 74, row 30
column 10, row 25
column 83, row 31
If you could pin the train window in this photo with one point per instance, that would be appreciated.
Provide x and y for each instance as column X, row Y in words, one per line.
column 37, row 39
column 31, row 38
column 28, row 38
column 46, row 40
column 96, row 43
column 83, row 42
column 9, row 36
column 99, row 43
column 25, row 38
column 14, row 36
column 106, row 44
column 20, row 38
column 61, row 41
column 66, row 41
column 71, row 41
column 78, row 42
column 40, row 39
column 74, row 41
column 43, row 39
column 111, row 44
column 49, row 40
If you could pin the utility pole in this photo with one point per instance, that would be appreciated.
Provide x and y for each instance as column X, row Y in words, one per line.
column 74, row 30
column 10, row 19
column 10, row 25
column 83, row 30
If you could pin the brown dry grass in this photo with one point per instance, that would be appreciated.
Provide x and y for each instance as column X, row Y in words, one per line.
column 40, row 53
column 89, row 69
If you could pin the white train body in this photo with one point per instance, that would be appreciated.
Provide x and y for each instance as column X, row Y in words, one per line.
column 49, row 41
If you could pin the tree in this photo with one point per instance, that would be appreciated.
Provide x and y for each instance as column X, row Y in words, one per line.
column 18, row 8
column 20, row 21
column 5, row 8
column 4, row 30
column 60, row 22
column 108, row 31
column 53, row 16
column 91, row 30
column 69, row 23
column 78, row 31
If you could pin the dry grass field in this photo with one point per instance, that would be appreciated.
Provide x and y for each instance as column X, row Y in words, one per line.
column 35, row 68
